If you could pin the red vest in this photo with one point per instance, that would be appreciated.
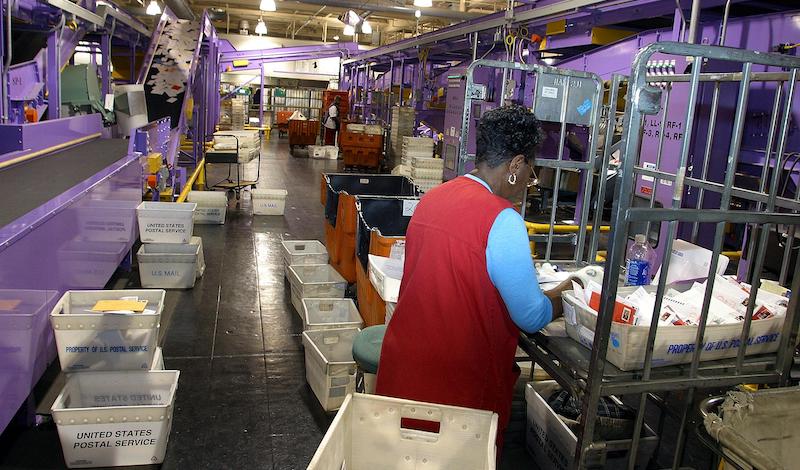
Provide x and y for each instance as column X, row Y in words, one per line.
column 451, row 340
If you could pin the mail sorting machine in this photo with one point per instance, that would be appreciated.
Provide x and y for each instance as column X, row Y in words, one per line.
column 720, row 81
column 569, row 106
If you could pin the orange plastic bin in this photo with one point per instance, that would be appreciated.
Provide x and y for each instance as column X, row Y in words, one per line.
column 341, row 215
column 382, row 221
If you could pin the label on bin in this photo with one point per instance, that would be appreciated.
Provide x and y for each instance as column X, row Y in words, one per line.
column 364, row 181
column 549, row 92
column 409, row 206
column 330, row 340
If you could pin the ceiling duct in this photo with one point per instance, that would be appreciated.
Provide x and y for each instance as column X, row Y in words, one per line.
column 181, row 9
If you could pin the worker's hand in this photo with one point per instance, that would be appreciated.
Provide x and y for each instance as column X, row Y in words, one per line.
column 554, row 295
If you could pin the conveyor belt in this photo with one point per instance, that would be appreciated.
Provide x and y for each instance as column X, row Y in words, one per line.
column 28, row 185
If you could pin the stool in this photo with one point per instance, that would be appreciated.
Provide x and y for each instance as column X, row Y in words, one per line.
column 367, row 354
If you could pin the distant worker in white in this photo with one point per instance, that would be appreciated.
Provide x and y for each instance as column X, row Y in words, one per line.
column 332, row 122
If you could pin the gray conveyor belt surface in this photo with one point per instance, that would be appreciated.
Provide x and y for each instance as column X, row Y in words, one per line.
column 28, row 185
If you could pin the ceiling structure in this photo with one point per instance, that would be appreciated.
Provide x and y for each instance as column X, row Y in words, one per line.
column 318, row 20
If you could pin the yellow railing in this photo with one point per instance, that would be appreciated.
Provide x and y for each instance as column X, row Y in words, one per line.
column 539, row 228
column 190, row 182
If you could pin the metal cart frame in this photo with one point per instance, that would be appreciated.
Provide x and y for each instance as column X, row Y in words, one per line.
column 552, row 101
column 230, row 158
column 588, row 372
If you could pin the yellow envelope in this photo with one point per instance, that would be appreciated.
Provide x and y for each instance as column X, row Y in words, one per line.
column 113, row 305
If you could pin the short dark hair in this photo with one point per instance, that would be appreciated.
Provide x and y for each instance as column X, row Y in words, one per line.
column 504, row 133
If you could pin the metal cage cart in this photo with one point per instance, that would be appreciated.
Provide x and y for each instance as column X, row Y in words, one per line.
column 569, row 105
column 685, row 144
column 238, row 156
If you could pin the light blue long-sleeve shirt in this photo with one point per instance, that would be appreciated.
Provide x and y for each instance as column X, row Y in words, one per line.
column 511, row 270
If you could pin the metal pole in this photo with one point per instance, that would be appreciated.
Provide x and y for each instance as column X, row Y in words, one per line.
column 366, row 92
column 724, row 28
column 694, row 19
column 659, row 153
column 133, row 61
column 557, row 179
column 53, row 72
column 402, row 81
column 105, row 70
column 261, row 100
column 611, row 122
column 474, row 46
column 389, row 95
column 712, row 124
column 4, row 70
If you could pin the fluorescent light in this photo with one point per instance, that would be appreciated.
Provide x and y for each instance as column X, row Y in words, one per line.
column 336, row 38
column 261, row 27
column 349, row 30
column 153, row 8
column 351, row 18
column 423, row 3
column 366, row 28
column 549, row 60
column 418, row 14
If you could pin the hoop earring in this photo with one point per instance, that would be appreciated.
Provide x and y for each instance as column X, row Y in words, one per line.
column 512, row 178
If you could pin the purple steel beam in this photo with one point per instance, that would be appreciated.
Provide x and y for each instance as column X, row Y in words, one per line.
column 105, row 69
column 256, row 58
column 53, row 71
column 19, row 139
column 346, row 47
column 256, row 63
column 597, row 14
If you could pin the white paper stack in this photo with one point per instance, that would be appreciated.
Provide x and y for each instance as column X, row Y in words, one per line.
column 238, row 113
column 403, row 122
column 417, row 155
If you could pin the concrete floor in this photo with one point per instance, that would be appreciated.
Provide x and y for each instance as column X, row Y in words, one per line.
column 243, row 401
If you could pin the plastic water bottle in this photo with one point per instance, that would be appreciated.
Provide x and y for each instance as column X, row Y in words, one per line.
column 638, row 262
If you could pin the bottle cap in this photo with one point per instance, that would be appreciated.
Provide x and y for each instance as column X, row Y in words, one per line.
column 640, row 238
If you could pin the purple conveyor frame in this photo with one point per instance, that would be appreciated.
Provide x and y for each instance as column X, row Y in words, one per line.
column 74, row 241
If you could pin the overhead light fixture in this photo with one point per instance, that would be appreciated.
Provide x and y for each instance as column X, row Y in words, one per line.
column 349, row 30
column 268, row 5
column 336, row 38
column 261, row 27
column 366, row 28
column 418, row 14
column 153, row 8
column 350, row 17
column 423, row 3
column 549, row 60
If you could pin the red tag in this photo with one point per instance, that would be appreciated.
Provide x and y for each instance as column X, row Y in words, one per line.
column 762, row 313
column 623, row 312
column 646, row 190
